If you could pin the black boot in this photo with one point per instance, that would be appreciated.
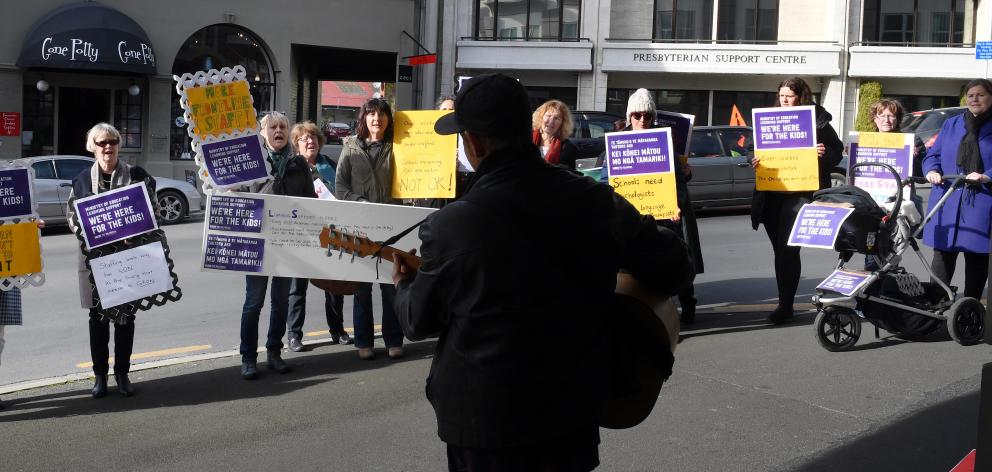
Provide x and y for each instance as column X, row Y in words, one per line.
column 781, row 314
column 100, row 386
column 276, row 363
column 124, row 385
column 249, row 371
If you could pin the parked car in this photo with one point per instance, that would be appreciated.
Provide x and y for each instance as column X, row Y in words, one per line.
column 589, row 129
column 335, row 132
column 927, row 123
column 720, row 157
column 53, row 175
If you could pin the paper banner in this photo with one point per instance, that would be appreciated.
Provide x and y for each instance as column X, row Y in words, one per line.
column 115, row 215
column 894, row 149
column 785, row 143
column 817, row 225
column 288, row 244
column 222, row 124
column 16, row 192
column 639, row 166
column 424, row 161
column 844, row 282
column 20, row 249
column 132, row 274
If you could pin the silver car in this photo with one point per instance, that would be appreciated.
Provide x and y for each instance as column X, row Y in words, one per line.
column 53, row 175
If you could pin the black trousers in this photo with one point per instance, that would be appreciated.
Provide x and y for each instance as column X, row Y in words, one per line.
column 976, row 270
column 778, row 217
column 99, row 344
column 578, row 452
column 333, row 309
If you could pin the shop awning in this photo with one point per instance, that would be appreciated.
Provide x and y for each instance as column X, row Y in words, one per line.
column 87, row 36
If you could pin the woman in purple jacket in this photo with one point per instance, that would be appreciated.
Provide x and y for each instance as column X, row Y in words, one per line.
column 964, row 146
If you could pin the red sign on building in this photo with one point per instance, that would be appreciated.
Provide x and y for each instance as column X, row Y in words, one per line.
column 10, row 123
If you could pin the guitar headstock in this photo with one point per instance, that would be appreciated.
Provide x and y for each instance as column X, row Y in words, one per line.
column 361, row 246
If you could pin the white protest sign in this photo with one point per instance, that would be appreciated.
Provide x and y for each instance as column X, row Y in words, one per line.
column 287, row 244
column 131, row 274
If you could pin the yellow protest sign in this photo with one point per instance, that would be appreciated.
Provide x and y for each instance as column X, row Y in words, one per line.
column 882, row 140
column 424, row 161
column 651, row 194
column 221, row 108
column 787, row 170
column 20, row 249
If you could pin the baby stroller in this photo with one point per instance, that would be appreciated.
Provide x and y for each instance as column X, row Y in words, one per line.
column 890, row 298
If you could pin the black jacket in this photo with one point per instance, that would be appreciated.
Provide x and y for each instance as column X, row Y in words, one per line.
column 514, row 274
column 834, row 152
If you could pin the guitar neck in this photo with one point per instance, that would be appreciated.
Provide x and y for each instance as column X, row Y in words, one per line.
column 409, row 259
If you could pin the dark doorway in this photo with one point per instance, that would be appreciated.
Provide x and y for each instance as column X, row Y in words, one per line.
column 79, row 110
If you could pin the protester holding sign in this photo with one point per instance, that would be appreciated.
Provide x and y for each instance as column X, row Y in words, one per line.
column 365, row 174
column 291, row 177
column 552, row 125
column 10, row 308
column 641, row 112
column 108, row 173
column 308, row 140
column 964, row 146
column 777, row 210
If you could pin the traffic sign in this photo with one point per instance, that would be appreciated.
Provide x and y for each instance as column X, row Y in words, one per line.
column 983, row 50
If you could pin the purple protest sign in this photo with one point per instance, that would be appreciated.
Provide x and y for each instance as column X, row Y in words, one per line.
column 237, row 253
column 844, row 282
column 638, row 152
column 900, row 159
column 681, row 125
column 784, row 128
column 15, row 193
column 115, row 215
column 235, row 214
column 818, row 225
column 234, row 162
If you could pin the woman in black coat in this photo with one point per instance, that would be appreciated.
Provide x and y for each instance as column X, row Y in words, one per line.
column 778, row 210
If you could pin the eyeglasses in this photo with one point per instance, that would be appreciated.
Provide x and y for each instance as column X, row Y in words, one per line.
column 306, row 139
column 112, row 142
column 886, row 117
column 637, row 115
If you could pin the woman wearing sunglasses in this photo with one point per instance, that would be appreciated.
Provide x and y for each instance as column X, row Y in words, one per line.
column 777, row 210
column 107, row 173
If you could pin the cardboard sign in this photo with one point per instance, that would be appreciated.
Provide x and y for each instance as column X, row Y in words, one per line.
column 222, row 108
column 16, row 193
column 894, row 149
column 424, row 161
column 20, row 249
column 818, row 225
column 131, row 274
column 844, row 282
column 639, row 166
column 785, row 142
column 233, row 162
column 240, row 214
column 288, row 244
column 115, row 215
column 681, row 125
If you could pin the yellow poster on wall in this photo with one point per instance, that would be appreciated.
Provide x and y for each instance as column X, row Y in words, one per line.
column 424, row 161
column 787, row 170
column 221, row 108
column 20, row 249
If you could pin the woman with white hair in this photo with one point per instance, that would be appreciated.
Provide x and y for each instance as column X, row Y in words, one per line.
column 108, row 173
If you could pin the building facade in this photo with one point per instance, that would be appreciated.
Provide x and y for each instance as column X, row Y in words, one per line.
column 67, row 65
column 705, row 57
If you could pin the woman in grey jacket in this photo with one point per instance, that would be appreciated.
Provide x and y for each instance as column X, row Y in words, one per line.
column 365, row 174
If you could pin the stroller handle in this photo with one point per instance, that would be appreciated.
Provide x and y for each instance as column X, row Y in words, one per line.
column 899, row 183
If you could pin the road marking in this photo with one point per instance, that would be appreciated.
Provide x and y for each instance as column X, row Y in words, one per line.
column 348, row 330
column 146, row 355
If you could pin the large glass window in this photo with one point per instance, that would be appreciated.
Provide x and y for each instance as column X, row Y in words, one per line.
column 913, row 103
column 919, row 22
column 127, row 118
column 539, row 95
column 748, row 20
column 215, row 47
column 38, row 122
column 539, row 20
column 724, row 102
column 683, row 19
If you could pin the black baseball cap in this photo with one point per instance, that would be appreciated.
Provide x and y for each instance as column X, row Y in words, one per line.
column 491, row 105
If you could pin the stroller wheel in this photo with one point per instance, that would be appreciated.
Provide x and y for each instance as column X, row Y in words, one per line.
column 837, row 328
column 966, row 321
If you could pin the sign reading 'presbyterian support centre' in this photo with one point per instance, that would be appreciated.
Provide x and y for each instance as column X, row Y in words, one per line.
column 791, row 59
column 721, row 58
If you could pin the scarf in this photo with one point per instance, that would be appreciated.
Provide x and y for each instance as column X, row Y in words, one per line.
column 554, row 150
column 120, row 177
column 969, row 157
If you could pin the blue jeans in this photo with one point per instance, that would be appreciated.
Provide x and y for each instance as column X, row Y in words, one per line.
column 333, row 310
column 255, row 286
column 392, row 334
